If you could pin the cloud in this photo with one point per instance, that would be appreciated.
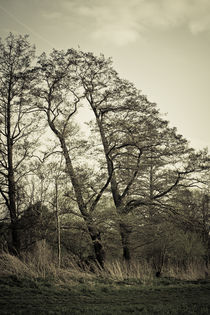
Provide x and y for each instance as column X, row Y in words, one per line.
column 119, row 36
column 112, row 22
column 123, row 22
column 51, row 15
column 192, row 14
column 200, row 25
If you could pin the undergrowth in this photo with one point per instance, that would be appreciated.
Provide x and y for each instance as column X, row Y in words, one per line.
column 40, row 264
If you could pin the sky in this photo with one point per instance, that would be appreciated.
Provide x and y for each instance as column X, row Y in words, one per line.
column 162, row 46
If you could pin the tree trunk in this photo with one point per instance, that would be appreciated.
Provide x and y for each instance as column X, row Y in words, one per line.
column 13, row 212
column 205, row 229
column 96, row 240
column 11, row 185
column 58, row 228
column 125, row 233
column 92, row 229
column 124, row 230
column 15, row 233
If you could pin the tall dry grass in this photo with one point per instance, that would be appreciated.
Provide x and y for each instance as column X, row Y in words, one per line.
column 40, row 263
column 37, row 263
column 191, row 271
column 12, row 265
column 121, row 270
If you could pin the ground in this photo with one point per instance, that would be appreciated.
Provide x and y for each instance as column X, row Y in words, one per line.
column 163, row 296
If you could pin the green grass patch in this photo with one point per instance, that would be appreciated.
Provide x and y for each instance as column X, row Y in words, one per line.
column 103, row 296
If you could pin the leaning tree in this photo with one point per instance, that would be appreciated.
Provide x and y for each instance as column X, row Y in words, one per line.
column 60, row 95
column 145, row 158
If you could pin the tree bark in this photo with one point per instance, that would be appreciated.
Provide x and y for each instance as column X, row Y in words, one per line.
column 57, row 224
column 123, row 229
column 11, row 183
column 96, row 240
column 91, row 227
column 125, row 233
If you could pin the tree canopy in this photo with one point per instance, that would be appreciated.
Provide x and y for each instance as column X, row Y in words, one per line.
column 128, row 170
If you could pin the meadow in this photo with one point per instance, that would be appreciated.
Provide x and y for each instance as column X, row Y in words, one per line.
column 24, row 296
column 37, row 286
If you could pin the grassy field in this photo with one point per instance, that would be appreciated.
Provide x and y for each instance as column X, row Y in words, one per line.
column 35, row 285
column 103, row 296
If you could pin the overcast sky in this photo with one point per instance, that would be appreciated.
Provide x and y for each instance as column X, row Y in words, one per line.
column 163, row 46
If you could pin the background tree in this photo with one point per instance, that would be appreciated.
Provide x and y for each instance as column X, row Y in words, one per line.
column 17, row 123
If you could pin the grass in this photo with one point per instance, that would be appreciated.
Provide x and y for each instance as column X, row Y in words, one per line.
column 40, row 296
column 33, row 285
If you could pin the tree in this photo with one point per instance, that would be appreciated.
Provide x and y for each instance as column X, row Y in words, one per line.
column 17, row 123
column 60, row 95
column 36, row 223
column 145, row 158
column 189, row 211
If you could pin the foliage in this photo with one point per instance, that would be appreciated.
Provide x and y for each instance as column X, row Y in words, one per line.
column 128, row 187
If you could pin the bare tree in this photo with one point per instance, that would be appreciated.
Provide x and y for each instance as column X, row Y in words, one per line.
column 16, row 122
column 60, row 96
column 146, row 159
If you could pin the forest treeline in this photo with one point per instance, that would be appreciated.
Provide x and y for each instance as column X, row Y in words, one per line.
column 127, row 186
